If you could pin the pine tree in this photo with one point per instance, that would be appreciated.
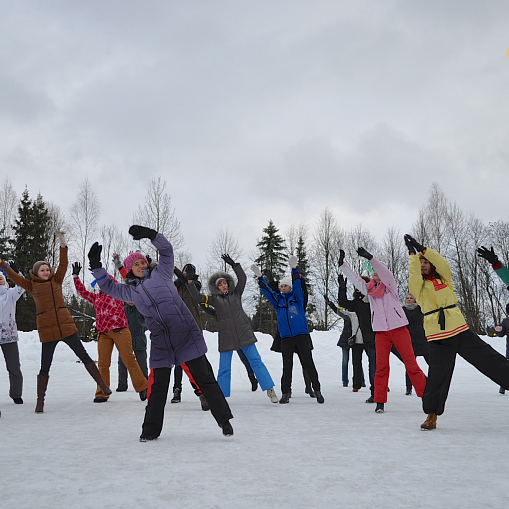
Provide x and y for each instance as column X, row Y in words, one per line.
column 30, row 245
column 272, row 257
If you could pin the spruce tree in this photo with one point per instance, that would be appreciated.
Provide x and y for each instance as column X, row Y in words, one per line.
column 30, row 245
column 272, row 257
column 303, row 265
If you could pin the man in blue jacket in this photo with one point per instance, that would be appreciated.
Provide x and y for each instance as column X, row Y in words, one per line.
column 293, row 328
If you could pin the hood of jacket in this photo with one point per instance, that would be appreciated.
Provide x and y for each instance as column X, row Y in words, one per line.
column 214, row 277
column 36, row 279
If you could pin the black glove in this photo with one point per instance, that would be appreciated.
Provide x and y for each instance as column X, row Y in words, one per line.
column 419, row 247
column 488, row 254
column 342, row 281
column 180, row 275
column 94, row 256
column 362, row 252
column 341, row 257
column 409, row 245
column 142, row 232
column 189, row 273
column 14, row 267
column 76, row 268
column 228, row 259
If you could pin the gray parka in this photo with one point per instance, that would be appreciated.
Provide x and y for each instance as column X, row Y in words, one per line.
column 233, row 325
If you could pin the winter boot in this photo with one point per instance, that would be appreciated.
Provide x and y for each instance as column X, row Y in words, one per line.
column 285, row 398
column 227, row 429
column 408, row 391
column 176, row 396
column 501, row 390
column 271, row 393
column 319, row 397
column 18, row 401
column 143, row 395
column 100, row 399
column 147, row 438
column 254, row 381
column 355, row 390
column 430, row 422
column 370, row 399
column 310, row 391
column 94, row 373
column 204, row 404
column 42, row 385
column 121, row 389
column 379, row 408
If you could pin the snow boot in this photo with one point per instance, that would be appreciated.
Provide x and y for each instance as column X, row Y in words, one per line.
column 271, row 393
column 94, row 373
column 147, row 438
column 501, row 390
column 176, row 396
column 227, row 429
column 254, row 381
column 310, row 391
column 430, row 422
column 370, row 399
column 18, row 401
column 379, row 408
column 285, row 398
column 204, row 404
column 121, row 389
column 42, row 385
column 319, row 397
column 100, row 399
column 355, row 390
column 345, row 385
column 408, row 391
column 143, row 395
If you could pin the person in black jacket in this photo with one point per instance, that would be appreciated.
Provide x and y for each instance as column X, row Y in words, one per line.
column 360, row 305
column 416, row 328
column 501, row 331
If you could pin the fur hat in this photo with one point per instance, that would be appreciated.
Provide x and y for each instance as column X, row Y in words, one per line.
column 286, row 281
column 128, row 262
column 37, row 266
column 213, row 289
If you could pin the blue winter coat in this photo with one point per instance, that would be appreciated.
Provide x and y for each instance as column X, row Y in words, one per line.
column 174, row 335
column 291, row 317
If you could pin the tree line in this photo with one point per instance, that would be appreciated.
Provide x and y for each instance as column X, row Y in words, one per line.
column 27, row 234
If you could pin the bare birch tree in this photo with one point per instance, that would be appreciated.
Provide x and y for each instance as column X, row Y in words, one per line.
column 224, row 242
column 158, row 213
column 8, row 207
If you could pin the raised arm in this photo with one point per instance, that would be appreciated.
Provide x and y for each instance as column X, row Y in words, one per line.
column 195, row 294
column 62, row 265
column 18, row 279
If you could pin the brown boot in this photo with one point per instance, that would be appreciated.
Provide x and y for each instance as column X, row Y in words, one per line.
column 42, row 385
column 94, row 373
column 430, row 422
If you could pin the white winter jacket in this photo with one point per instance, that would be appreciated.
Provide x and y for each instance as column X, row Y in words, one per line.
column 8, row 299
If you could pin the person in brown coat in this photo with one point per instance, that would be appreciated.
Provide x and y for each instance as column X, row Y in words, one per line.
column 54, row 321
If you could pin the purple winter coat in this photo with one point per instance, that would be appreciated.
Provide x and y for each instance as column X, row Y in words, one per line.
column 174, row 334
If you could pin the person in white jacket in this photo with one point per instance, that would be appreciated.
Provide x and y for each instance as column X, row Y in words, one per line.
column 9, row 335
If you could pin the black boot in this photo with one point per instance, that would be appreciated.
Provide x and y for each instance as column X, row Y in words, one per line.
column 227, row 429
column 379, row 408
column 319, row 397
column 254, row 381
column 176, row 395
column 285, row 398
column 204, row 404
column 408, row 391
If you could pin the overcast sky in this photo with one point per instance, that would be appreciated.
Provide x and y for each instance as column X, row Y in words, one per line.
column 258, row 110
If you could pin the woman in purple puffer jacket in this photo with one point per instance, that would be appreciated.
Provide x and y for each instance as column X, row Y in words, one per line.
column 174, row 335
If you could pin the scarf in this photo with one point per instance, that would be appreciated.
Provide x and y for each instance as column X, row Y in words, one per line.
column 375, row 290
column 411, row 306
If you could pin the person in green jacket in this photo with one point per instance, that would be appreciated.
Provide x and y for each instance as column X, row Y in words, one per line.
column 501, row 270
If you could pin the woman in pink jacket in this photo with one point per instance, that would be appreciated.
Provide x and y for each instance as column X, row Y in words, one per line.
column 389, row 323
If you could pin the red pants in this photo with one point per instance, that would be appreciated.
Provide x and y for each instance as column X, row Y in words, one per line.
column 384, row 340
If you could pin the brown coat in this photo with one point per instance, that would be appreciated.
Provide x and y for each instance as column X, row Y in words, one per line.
column 54, row 321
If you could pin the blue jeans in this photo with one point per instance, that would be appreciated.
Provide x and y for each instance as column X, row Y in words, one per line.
column 224, row 374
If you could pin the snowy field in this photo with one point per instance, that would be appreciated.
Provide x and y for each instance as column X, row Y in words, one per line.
column 302, row 455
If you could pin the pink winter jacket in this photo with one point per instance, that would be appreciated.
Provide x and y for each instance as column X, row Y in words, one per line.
column 386, row 311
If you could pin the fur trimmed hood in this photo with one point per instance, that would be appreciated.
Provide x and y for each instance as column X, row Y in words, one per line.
column 214, row 277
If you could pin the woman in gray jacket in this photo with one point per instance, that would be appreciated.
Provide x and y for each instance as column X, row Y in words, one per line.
column 233, row 325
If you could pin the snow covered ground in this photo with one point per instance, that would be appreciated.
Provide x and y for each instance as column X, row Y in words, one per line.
column 302, row 455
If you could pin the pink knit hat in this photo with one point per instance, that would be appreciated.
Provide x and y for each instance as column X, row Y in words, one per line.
column 128, row 262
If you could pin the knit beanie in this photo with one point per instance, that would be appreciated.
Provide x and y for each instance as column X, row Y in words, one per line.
column 220, row 279
column 286, row 281
column 128, row 262
column 37, row 266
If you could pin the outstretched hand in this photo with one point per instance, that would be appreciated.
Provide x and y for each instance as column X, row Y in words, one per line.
column 293, row 260
column 341, row 280
column 256, row 270
column 228, row 259
column 488, row 254
column 419, row 247
column 94, row 256
column 13, row 266
column 76, row 268
column 365, row 254
column 142, row 232
column 341, row 259
column 409, row 245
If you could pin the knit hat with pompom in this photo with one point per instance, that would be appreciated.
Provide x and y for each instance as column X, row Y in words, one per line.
column 128, row 262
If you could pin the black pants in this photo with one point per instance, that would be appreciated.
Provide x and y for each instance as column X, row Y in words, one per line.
column 442, row 357
column 48, row 349
column 202, row 372
column 357, row 349
column 301, row 344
